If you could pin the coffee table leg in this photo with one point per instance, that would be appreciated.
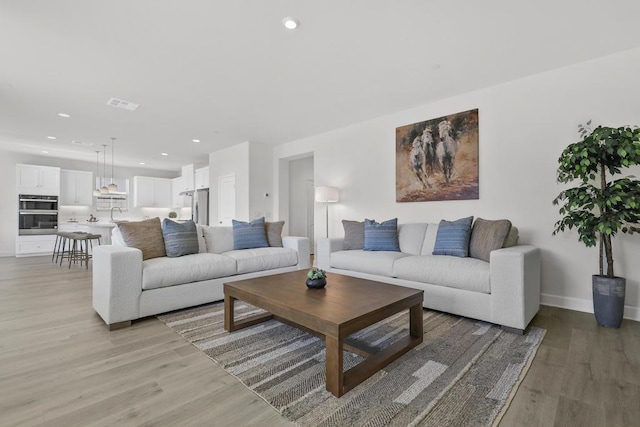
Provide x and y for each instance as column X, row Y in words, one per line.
column 228, row 313
column 415, row 321
column 335, row 376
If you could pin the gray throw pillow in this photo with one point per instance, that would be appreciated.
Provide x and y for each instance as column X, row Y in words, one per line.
column 180, row 238
column 487, row 236
column 274, row 233
column 353, row 235
column 512, row 237
column 144, row 235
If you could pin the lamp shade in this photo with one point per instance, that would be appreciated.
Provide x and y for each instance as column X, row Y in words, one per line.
column 327, row 194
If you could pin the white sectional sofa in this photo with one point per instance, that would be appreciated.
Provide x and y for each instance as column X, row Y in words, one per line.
column 504, row 291
column 126, row 288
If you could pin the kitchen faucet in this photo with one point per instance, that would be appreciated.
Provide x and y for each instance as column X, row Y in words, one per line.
column 115, row 207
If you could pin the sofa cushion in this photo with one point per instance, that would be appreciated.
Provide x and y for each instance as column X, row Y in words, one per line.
column 202, row 244
column 461, row 273
column 218, row 239
column 165, row 271
column 274, row 233
column 353, row 235
column 247, row 235
column 381, row 236
column 372, row 262
column 260, row 259
column 453, row 237
column 430, row 239
column 411, row 237
column 487, row 236
column 144, row 235
column 179, row 238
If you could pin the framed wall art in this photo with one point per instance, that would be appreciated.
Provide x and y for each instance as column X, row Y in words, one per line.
column 437, row 159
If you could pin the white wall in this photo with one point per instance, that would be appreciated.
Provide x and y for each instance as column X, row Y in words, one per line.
column 9, row 205
column 250, row 163
column 261, row 179
column 524, row 126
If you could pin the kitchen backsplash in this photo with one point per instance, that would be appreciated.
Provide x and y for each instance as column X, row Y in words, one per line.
column 82, row 213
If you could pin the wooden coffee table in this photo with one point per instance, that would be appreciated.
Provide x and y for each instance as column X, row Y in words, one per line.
column 346, row 305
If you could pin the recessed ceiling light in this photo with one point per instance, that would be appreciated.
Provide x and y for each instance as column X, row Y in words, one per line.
column 45, row 152
column 65, row 115
column 195, row 140
column 51, row 137
column 290, row 23
column 164, row 154
column 142, row 163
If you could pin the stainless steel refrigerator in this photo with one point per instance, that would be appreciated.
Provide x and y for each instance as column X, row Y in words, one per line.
column 200, row 206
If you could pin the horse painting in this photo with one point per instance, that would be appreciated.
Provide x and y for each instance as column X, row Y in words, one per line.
column 438, row 159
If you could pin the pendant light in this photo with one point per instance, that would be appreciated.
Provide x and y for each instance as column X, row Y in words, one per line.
column 112, row 187
column 104, row 189
column 96, row 192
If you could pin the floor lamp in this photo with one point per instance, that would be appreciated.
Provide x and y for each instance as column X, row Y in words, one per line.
column 326, row 195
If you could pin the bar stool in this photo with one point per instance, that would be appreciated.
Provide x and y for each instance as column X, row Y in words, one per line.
column 78, row 244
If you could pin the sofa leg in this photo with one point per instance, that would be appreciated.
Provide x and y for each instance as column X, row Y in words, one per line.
column 119, row 325
column 513, row 330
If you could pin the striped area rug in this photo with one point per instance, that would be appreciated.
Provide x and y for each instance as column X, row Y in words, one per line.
column 464, row 373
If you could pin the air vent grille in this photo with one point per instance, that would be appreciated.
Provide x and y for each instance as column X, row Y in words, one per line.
column 83, row 143
column 121, row 103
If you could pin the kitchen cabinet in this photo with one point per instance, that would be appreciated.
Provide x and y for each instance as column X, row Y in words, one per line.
column 202, row 178
column 151, row 192
column 35, row 245
column 40, row 180
column 76, row 188
column 188, row 183
column 178, row 201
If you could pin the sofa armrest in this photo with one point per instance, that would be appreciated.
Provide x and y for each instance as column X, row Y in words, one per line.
column 325, row 248
column 302, row 246
column 515, row 285
column 117, row 283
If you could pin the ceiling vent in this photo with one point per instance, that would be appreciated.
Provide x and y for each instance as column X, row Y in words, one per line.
column 83, row 143
column 121, row 103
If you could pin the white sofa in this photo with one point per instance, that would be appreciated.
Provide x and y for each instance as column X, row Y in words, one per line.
column 126, row 288
column 504, row 291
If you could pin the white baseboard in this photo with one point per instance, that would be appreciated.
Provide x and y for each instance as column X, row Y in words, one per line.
column 7, row 254
column 578, row 304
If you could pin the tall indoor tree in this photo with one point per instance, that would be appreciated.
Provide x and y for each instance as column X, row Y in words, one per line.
column 604, row 203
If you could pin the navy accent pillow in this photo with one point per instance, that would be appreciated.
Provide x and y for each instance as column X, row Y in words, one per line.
column 247, row 235
column 381, row 236
column 179, row 238
column 453, row 237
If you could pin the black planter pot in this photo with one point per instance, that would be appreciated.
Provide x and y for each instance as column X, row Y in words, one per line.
column 608, row 300
column 316, row 283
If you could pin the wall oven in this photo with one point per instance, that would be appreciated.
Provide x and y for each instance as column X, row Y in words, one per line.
column 37, row 214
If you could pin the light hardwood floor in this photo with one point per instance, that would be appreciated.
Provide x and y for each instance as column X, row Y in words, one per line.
column 60, row 366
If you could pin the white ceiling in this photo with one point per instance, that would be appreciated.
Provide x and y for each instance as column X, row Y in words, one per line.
column 226, row 71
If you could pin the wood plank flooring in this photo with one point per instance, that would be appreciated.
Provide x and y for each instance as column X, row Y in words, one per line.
column 60, row 366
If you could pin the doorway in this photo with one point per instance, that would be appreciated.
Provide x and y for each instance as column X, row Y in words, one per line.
column 226, row 199
column 301, row 199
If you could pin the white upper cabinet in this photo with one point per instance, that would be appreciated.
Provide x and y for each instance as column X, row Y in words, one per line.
column 202, row 178
column 151, row 192
column 177, row 200
column 40, row 180
column 188, row 178
column 76, row 188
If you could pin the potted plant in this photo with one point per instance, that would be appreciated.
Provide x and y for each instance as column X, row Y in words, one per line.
column 316, row 278
column 173, row 215
column 602, row 205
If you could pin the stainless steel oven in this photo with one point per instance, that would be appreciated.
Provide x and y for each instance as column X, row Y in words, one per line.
column 37, row 214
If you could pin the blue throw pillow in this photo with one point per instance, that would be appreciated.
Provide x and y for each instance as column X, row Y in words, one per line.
column 247, row 235
column 381, row 236
column 453, row 237
column 179, row 238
